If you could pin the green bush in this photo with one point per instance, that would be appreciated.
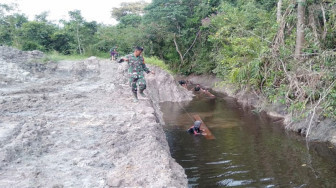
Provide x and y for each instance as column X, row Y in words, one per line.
column 157, row 62
column 29, row 46
column 237, row 30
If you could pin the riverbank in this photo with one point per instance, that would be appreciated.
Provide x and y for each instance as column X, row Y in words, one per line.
column 322, row 130
column 73, row 124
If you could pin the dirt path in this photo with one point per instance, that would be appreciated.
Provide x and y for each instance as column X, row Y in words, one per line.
column 73, row 124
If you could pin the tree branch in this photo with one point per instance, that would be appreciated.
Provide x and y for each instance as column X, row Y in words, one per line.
column 178, row 50
column 325, row 29
column 318, row 103
column 279, row 16
column 191, row 44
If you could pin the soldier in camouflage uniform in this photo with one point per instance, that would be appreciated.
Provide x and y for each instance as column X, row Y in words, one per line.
column 136, row 68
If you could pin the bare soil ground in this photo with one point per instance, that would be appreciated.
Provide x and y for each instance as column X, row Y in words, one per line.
column 74, row 124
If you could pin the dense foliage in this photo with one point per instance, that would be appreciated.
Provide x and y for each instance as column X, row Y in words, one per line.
column 283, row 50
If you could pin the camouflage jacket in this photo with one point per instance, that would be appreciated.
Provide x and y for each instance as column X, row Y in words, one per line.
column 136, row 66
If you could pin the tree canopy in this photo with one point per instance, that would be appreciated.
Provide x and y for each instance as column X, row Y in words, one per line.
column 135, row 8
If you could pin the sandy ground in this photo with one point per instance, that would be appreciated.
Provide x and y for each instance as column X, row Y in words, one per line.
column 74, row 124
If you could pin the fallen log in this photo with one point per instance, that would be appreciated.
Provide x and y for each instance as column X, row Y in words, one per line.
column 208, row 134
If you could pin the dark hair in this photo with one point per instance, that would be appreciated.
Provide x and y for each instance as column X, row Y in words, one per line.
column 138, row 48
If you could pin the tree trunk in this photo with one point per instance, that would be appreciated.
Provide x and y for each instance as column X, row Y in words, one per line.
column 325, row 30
column 279, row 16
column 178, row 51
column 300, row 28
column 279, row 39
column 312, row 23
column 191, row 44
column 78, row 41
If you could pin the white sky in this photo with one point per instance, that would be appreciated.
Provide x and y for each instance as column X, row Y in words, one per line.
column 92, row 10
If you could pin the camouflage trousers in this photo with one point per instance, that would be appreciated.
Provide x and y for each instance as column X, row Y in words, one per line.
column 135, row 81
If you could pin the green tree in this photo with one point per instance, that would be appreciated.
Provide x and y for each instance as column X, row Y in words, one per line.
column 36, row 35
column 9, row 27
column 130, row 20
column 82, row 33
column 175, row 30
column 135, row 8
column 42, row 17
column 236, row 36
column 61, row 42
column 74, row 27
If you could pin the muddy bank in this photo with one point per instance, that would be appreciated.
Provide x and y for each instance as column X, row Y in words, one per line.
column 321, row 130
column 73, row 124
column 162, row 88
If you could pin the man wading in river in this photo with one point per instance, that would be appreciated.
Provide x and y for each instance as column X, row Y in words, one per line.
column 196, row 129
column 136, row 65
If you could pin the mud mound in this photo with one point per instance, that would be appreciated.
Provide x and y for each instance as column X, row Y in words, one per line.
column 73, row 124
column 13, row 55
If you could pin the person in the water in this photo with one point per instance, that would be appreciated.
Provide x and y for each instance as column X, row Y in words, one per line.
column 207, row 92
column 196, row 129
column 197, row 88
column 183, row 83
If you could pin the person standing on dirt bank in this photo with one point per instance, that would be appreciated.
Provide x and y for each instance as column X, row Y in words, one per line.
column 113, row 50
column 114, row 54
column 136, row 68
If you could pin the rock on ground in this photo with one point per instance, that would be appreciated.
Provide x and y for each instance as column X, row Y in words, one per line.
column 73, row 124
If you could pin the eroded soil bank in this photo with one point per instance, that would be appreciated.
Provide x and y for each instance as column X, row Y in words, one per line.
column 73, row 124
column 321, row 130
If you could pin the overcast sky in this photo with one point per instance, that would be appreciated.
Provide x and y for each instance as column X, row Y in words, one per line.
column 92, row 10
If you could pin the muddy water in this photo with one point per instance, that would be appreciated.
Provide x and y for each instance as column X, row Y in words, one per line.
column 249, row 150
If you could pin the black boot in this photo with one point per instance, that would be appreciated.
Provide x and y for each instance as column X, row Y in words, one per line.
column 142, row 93
column 135, row 97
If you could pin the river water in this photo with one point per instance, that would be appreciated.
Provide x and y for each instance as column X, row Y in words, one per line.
column 250, row 150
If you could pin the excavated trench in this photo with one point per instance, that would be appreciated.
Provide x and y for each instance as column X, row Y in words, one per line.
column 250, row 149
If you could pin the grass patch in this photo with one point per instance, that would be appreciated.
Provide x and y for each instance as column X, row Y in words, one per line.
column 103, row 55
column 55, row 56
column 157, row 62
